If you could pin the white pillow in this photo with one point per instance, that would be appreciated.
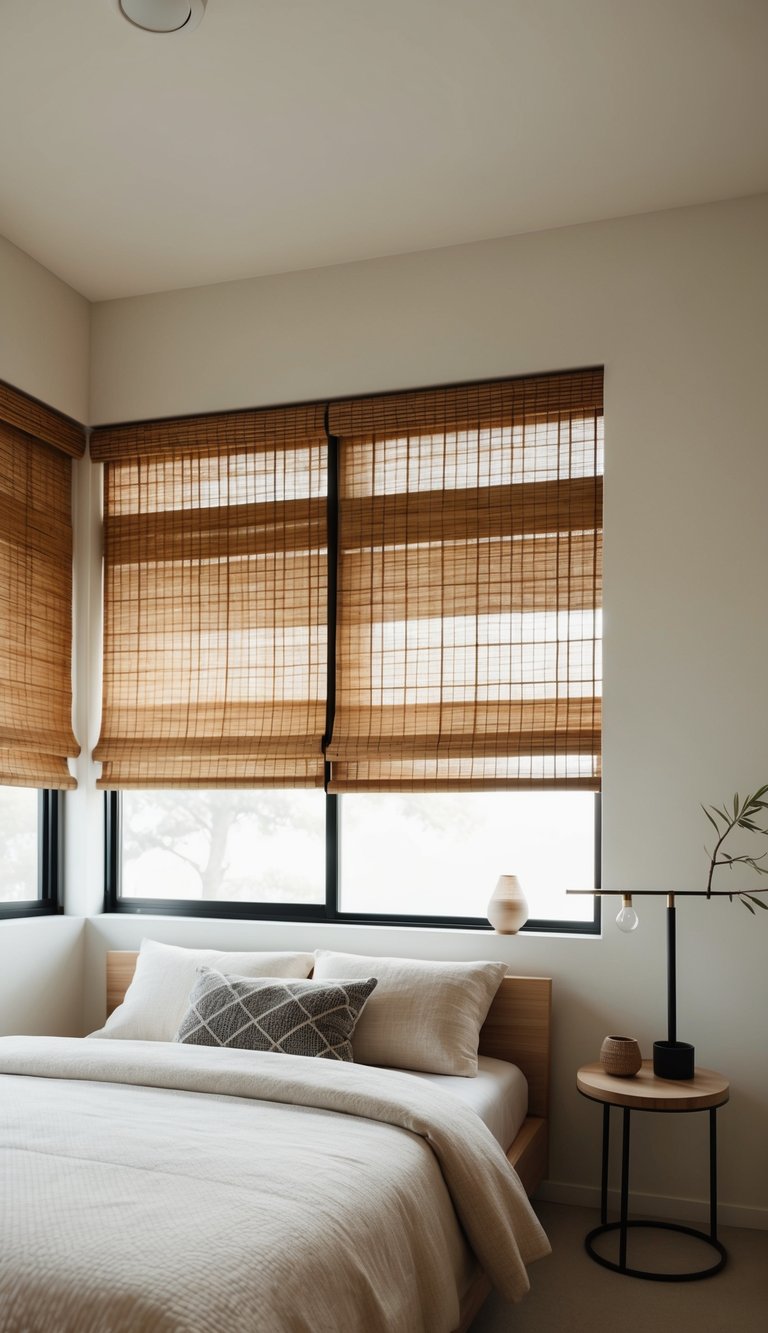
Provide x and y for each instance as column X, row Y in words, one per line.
column 422, row 1015
column 156, row 999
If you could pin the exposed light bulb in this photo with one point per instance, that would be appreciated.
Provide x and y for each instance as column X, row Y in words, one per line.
column 627, row 920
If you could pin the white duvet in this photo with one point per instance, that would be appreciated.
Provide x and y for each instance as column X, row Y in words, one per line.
column 147, row 1187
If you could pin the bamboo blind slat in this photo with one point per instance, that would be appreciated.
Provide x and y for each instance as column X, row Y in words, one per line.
column 473, row 514
column 535, row 727
column 535, row 573
column 43, row 423
column 237, row 530
column 527, row 399
column 469, row 587
column 215, row 633
column 20, row 768
column 36, row 734
column 250, row 431
column 449, row 776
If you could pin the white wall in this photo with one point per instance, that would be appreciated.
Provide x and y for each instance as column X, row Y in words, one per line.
column 44, row 334
column 44, row 350
column 41, row 975
column 674, row 305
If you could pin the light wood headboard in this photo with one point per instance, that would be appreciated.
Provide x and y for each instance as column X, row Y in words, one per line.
column 517, row 1027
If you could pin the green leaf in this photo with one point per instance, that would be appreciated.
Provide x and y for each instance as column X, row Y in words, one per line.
column 712, row 822
column 745, row 815
column 748, row 906
column 759, row 902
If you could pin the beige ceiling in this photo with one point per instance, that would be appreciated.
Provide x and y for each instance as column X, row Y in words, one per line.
column 286, row 134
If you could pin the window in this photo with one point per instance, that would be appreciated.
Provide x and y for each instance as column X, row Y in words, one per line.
column 37, row 446
column 397, row 599
column 440, row 854
column 18, row 838
column 385, row 857
column 240, row 846
column 30, row 864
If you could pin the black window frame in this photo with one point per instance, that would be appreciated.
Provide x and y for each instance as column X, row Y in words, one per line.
column 50, row 824
column 328, row 912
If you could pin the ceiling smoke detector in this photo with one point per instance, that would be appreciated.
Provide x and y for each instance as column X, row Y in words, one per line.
column 162, row 15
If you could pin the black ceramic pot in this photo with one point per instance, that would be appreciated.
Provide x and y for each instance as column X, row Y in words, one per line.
column 673, row 1059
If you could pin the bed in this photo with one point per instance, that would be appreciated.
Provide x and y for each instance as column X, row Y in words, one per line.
column 140, row 1177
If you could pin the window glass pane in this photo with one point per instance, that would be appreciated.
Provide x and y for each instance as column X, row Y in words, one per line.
column 18, row 840
column 441, row 855
column 235, row 846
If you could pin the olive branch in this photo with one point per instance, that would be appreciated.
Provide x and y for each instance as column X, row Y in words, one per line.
column 743, row 816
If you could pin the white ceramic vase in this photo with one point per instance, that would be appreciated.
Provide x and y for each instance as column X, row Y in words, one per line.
column 508, row 908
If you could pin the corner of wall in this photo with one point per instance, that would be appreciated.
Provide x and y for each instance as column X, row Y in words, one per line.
column 44, row 334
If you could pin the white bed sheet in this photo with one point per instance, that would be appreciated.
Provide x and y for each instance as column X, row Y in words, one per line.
column 498, row 1094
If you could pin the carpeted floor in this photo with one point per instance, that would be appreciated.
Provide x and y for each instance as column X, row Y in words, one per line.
column 572, row 1294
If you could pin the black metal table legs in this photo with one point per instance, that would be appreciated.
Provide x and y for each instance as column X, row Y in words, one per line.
column 624, row 1225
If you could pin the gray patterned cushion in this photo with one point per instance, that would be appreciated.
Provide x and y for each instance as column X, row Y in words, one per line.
column 271, row 1014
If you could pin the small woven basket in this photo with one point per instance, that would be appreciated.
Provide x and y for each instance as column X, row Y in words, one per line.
column 620, row 1056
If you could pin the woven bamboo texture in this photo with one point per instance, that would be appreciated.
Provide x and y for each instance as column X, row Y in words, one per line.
column 36, row 734
column 468, row 590
column 43, row 423
column 468, row 634
column 215, row 616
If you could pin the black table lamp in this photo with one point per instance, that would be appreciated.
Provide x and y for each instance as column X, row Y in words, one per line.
column 672, row 1059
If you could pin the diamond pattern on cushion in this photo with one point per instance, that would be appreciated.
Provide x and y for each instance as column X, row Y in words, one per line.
column 309, row 1018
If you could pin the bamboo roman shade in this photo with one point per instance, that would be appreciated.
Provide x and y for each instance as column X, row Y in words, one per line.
column 215, row 635
column 37, row 445
column 469, row 583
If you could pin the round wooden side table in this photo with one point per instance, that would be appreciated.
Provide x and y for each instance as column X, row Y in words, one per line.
column 706, row 1091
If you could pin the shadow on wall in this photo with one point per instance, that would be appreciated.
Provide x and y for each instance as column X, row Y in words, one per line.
column 579, row 1024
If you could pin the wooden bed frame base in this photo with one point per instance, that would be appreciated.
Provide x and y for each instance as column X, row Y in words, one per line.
column 517, row 1029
